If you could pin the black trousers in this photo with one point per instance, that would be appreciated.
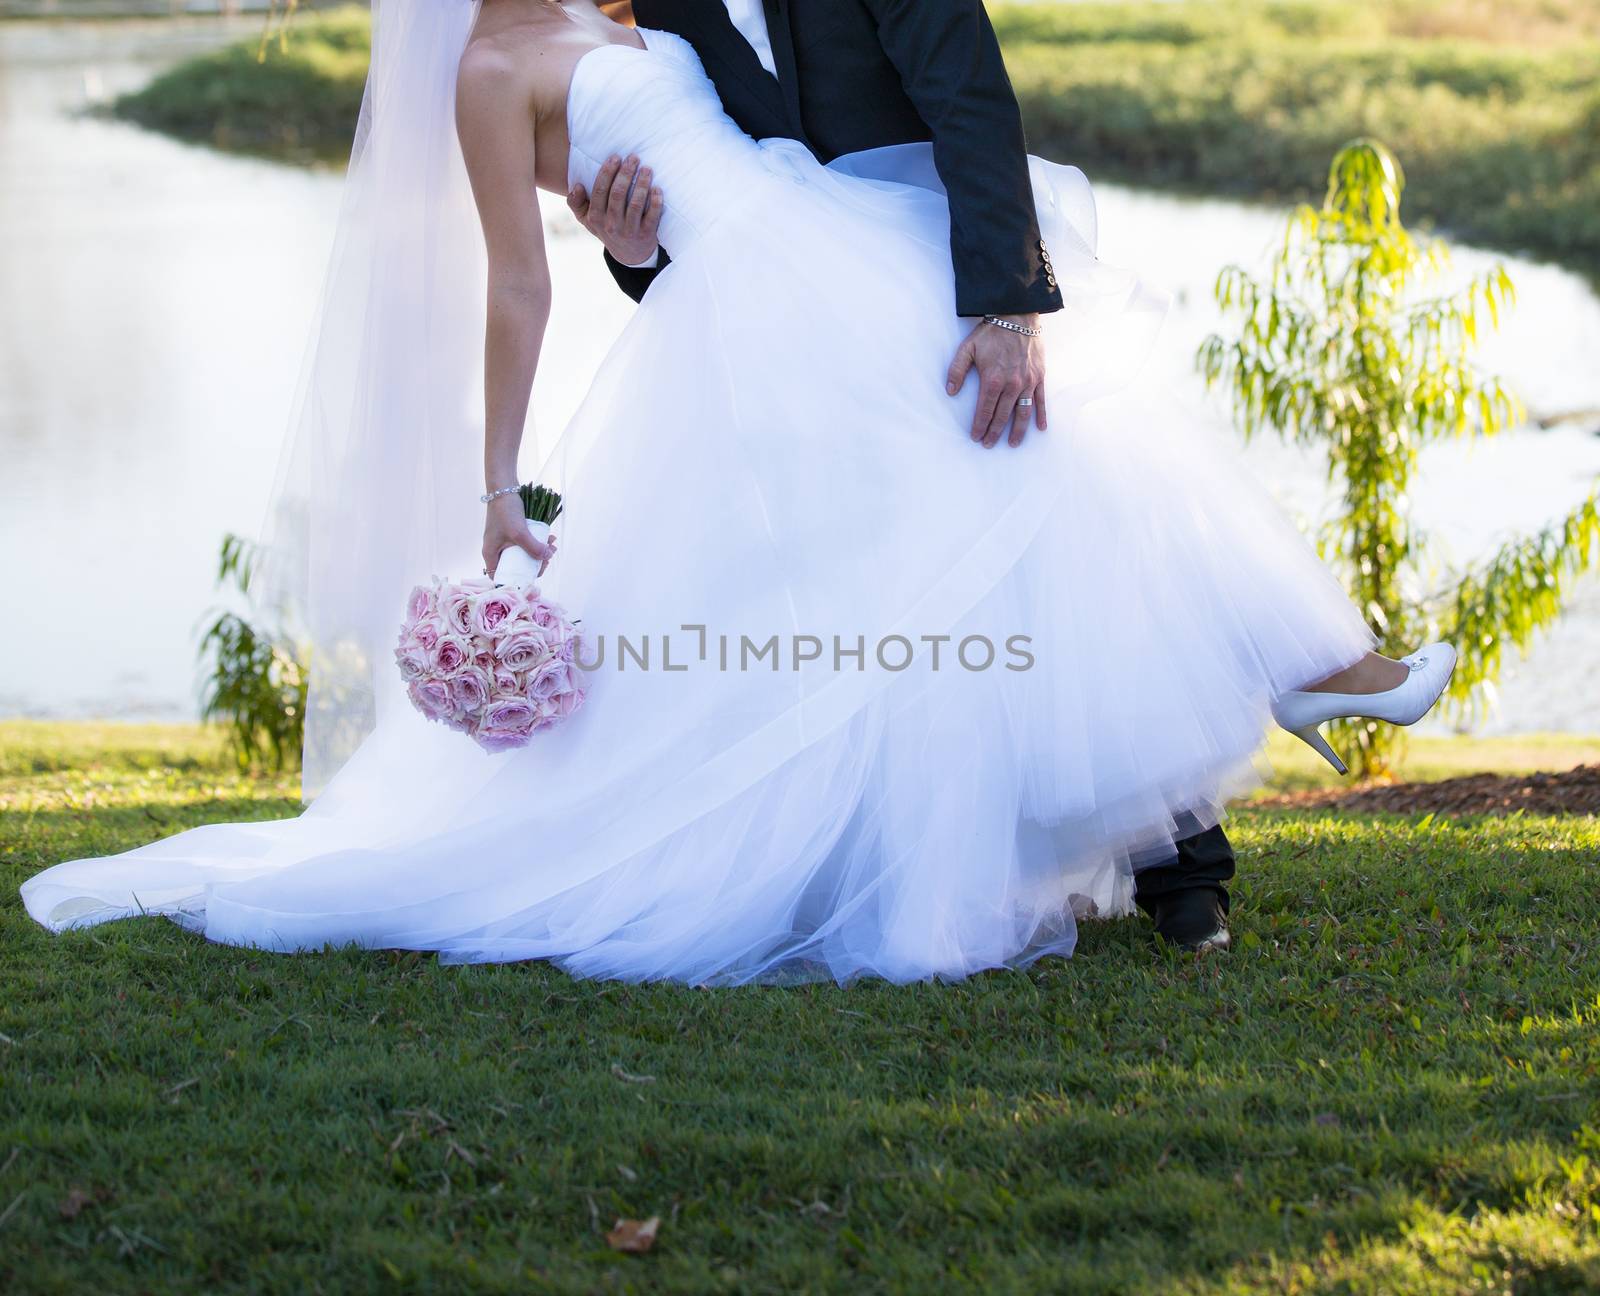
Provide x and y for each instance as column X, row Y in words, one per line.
column 1204, row 862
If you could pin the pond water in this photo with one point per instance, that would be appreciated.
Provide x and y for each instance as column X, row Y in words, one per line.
column 156, row 299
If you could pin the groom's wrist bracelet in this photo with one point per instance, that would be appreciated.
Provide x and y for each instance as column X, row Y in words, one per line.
column 1006, row 324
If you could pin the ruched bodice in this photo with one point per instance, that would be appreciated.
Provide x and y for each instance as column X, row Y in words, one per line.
column 658, row 104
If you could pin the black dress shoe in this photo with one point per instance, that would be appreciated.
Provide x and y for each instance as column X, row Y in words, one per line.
column 1187, row 895
column 1192, row 920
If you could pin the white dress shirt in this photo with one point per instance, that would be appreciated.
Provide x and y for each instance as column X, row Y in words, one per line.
column 750, row 17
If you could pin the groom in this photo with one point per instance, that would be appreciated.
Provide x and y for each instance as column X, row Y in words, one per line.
column 841, row 76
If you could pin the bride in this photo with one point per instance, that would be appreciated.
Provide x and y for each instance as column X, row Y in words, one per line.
column 893, row 704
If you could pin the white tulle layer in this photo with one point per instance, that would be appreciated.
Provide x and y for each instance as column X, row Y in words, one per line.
column 769, row 450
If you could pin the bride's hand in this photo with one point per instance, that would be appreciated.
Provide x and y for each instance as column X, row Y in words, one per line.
column 505, row 528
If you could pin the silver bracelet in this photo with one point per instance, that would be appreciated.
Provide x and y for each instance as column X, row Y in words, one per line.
column 494, row 495
column 1013, row 328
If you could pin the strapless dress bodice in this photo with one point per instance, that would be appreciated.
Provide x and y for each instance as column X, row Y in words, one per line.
column 658, row 103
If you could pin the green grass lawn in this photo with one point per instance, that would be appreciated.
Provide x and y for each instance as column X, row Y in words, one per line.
column 1391, row 1085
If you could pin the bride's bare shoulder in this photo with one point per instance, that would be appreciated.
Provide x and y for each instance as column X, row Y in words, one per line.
column 497, row 66
column 502, row 84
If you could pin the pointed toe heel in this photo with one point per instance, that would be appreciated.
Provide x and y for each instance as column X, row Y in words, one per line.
column 1312, row 737
column 1428, row 671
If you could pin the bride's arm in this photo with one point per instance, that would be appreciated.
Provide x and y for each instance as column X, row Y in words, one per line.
column 495, row 122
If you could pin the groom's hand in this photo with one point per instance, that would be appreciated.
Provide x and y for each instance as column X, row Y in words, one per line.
column 1010, row 369
column 623, row 212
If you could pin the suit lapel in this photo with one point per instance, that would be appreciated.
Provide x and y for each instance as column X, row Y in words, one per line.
column 782, row 36
column 707, row 26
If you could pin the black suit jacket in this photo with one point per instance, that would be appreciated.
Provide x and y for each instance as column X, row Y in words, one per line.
column 859, row 74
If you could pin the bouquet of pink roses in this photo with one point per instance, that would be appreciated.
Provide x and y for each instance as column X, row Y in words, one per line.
column 496, row 661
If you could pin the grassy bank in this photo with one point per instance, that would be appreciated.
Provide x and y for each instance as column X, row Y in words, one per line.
column 1392, row 1086
column 1494, row 108
column 1492, row 104
column 295, row 95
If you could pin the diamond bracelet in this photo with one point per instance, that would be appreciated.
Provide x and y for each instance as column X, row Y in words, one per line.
column 494, row 495
column 1013, row 328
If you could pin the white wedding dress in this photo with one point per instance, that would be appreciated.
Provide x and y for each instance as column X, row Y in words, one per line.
column 769, row 451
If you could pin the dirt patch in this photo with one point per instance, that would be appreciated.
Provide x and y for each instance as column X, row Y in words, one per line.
column 1574, row 792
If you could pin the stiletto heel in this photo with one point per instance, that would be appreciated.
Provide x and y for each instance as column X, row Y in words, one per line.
column 1312, row 737
column 1427, row 672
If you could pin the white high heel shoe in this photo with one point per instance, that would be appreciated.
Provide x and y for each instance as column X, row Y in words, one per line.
column 1300, row 712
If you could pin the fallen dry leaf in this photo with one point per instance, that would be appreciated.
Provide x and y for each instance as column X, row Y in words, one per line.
column 77, row 1201
column 634, row 1236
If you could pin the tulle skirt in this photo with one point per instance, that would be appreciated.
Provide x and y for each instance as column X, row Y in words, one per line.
column 865, row 698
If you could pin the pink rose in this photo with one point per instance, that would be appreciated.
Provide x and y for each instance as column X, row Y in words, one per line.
column 450, row 654
column 505, row 684
column 470, row 691
column 550, row 680
column 568, row 702
column 543, row 615
column 509, row 714
column 455, row 606
column 427, row 633
column 413, row 660
column 420, row 606
column 505, row 725
column 492, row 610
column 522, row 648
column 433, row 699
